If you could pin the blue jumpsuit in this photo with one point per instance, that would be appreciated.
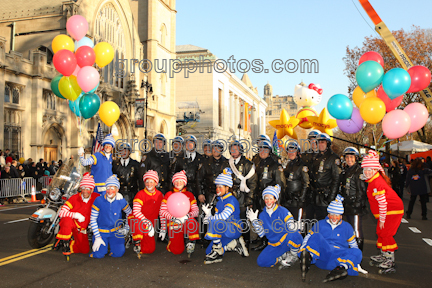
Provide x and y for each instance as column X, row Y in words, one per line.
column 101, row 168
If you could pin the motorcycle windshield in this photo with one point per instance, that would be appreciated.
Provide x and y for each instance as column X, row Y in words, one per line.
column 67, row 178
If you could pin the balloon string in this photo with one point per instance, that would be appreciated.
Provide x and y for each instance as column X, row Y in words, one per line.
column 81, row 137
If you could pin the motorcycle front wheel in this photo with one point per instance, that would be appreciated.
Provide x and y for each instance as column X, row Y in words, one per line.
column 37, row 234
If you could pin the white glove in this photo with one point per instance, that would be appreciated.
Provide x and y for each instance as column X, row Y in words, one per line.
column 251, row 215
column 206, row 209
column 151, row 231
column 162, row 235
column 97, row 243
column 124, row 231
column 119, row 196
column 79, row 217
column 206, row 220
column 81, row 151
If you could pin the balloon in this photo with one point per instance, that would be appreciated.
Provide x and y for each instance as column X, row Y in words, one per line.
column 65, row 62
column 178, row 205
column 303, row 115
column 369, row 75
column 396, row 82
column 307, row 95
column 353, row 125
column 340, row 107
column 84, row 42
column 21, row 160
column 75, row 73
column 285, row 125
column 85, row 56
column 74, row 105
column 62, row 42
column 94, row 89
column 69, row 87
column 359, row 96
column 418, row 114
column 390, row 104
column 323, row 122
column 88, row 78
column 89, row 105
column 372, row 110
column 396, row 124
column 109, row 112
column 372, row 56
column 55, row 86
column 77, row 26
column 104, row 54
column 420, row 78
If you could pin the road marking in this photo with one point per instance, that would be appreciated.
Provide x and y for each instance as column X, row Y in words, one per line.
column 23, row 255
column 19, row 207
column 414, row 229
column 404, row 220
column 14, row 221
column 428, row 241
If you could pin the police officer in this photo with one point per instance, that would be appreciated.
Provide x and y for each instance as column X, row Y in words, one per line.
column 324, row 174
column 309, row 154
column 207, row 148
column 256, row 158
column 353, row 189
column 176, row 154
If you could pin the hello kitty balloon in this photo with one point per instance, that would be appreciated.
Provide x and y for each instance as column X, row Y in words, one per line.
column 307, row 95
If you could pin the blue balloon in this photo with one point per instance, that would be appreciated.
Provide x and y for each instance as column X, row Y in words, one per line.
column 396, row 82
column 340, row 107
column 74, row 105
column 85, row 41
column 369, row 75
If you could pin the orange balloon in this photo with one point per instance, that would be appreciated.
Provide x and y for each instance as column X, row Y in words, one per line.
column 359, row 96
column 372, row 110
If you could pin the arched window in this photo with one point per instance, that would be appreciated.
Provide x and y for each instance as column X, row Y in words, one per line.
column 163, row 35
column 7, row 94
column 15, row 95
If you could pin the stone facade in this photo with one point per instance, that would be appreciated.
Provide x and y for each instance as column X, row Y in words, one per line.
column 277, row 103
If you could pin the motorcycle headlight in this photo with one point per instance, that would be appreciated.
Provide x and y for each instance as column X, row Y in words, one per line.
column 55, row 194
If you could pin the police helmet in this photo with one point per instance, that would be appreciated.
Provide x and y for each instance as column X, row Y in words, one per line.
column 293, row 146
column 351, row 151
column 237, row 143
column 178, row 139
column 191, row 138
column 313, row 134
column 159, row 136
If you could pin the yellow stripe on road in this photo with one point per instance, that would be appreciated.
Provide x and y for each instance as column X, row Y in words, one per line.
column 24, row 255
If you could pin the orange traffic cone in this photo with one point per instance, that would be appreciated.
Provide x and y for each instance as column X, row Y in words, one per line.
column 33, row 194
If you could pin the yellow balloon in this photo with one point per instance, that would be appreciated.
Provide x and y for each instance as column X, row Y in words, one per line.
column 104, row 53
column 303, row 115
column 372, row 110
column 62, row 42
column 21, row 160
column 69, row 88
column 359, row 96
column 109, row 112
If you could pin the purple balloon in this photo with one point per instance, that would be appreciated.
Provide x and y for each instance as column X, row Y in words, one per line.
column 353, row 125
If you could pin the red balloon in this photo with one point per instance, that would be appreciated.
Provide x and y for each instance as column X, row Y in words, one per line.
column 85, row 56
column 389, row 103
column 65, row 62
column 371, row 56
column 420, row 78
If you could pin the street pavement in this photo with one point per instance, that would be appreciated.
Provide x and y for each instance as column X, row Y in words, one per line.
column 22, row 266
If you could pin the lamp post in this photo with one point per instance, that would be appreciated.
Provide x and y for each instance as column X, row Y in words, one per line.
column 239, row 127
column 149, row 90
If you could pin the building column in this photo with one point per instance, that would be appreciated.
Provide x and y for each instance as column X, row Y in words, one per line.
column 2, row 87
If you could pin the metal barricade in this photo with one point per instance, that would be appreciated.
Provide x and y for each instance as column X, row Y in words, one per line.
column 16, row 187
column 45, row 181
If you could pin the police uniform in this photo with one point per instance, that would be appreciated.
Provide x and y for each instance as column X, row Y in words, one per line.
column 208, row 174
column 190, row 163
column 269, row 173
column 127, row 172
column 158, row 161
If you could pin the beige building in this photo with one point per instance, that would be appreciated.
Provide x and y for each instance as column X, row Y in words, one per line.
column 277, row 103
column 35, row 123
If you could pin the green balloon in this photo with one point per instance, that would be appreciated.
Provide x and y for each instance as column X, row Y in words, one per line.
column 54, row 86
column 89, row 105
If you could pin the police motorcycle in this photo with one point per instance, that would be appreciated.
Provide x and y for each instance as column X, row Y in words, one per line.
column 44, row 223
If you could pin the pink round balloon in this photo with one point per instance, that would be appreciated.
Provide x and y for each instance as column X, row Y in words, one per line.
column 389, row 103
column 396, row 124
column 418, row 114
column 75, row 73
column 88, row 78
column 372, row 56
column 178, row 204
column 77, row 27
column 420, row 78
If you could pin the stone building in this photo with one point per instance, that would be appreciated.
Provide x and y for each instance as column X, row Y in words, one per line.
column 277, row 103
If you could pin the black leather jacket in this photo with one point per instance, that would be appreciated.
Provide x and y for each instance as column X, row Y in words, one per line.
column 244, row 198
column 207, row 175
column 181, row 162
column 128, row 177
column 159, row 162
column 353, row 189
column 269, row 173
column 297, row 184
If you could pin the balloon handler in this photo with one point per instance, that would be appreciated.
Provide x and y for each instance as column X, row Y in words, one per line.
column 280, row 228
column 332, row 246
column 106, row 221
column 177, row 213
column 146, row 205
column 101, row 163
column 224, row 229
column 75, row 218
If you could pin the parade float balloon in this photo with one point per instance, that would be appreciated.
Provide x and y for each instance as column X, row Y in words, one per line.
column 418, row 114
column 307, row 95
column 109, row 112
column 340, row 107
column 69, row 88
column 74, row 105
column 62, row 42
column 390, row 104
column 420, row 78
column 21, row 160
column 353, row 125
column 84, row 42
column 285, row 125
column 55, row 86
column 85, row 56
column 372, row 110
column 323, row 122
column 303, row 115
column 77, row 27
column 369, row 75
column 396, row 82
column 89, row 105
column 65, row 62
column 372, row 56
column 178, row 205
column 359, row 96
column 396, row 124
column 104, row 53
column 88, row 78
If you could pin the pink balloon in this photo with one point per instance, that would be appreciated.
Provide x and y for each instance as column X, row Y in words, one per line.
column 396, row 124
column 418, row 114
column 178, row 204
column 77, row 27
column 371, row 56
column 420, row 78
column 389, row 103
column 75, row 73
column 65, row 62
column 88, row 78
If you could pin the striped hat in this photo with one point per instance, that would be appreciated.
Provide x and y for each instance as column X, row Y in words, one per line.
column 272, row 190
column 112, row 181
column 225, row 178
column 372, row 161
column 336, row 206
column 151, row 174
column 109, row 139
column 87, row 181
column 180, row 176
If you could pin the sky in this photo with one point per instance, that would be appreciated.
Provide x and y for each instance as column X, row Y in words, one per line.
column 291, row 29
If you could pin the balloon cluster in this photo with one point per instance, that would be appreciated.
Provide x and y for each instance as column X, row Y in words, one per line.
column 378, row 94
column 79, row 79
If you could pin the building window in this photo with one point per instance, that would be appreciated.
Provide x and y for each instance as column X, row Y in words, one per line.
column 7, row 94
column 220, row 108
column 50, row 100
column 12, row 139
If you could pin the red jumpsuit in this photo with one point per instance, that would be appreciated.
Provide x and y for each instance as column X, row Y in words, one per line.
column 146, row 207
column 71, row 227
column 177, row 232
column 386, row 205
